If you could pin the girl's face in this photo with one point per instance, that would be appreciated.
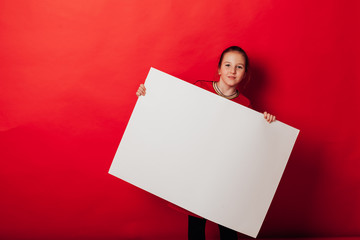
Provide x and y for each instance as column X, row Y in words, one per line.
column 232, row 69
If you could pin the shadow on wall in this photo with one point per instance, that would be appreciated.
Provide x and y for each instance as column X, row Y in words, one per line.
column 291, row 213
column 293, row 207
column 256, row 86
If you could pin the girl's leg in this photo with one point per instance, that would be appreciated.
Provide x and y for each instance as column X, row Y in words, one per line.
column 196, row 228
column 227, row 233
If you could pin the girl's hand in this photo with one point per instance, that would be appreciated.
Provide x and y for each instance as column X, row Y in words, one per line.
column 141, row 90
column 269, row 118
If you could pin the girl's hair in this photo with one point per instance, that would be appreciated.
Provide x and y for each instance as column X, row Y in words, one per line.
column 245, row 81
column 235, row 49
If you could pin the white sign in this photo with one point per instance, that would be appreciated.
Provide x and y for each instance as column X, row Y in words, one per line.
column 204, row 153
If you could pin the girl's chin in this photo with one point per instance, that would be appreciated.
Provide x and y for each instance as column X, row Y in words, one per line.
column 232, row 83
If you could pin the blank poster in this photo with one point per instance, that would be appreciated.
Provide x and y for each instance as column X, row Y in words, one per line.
column 204, row 153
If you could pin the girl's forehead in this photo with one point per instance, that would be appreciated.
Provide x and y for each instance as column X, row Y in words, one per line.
column 233, row 54
column 236, row 56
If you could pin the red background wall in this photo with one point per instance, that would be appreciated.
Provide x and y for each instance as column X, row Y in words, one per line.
column 68, row 75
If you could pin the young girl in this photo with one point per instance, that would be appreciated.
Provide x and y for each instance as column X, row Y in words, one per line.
column 232, row 69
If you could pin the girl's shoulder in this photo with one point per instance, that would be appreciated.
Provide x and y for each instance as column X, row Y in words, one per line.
column 204, row 84
column 241, row 99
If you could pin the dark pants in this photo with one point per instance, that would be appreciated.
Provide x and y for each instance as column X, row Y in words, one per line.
column 196, row 230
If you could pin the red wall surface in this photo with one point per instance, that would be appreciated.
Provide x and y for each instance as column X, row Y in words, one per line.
column 68, row 75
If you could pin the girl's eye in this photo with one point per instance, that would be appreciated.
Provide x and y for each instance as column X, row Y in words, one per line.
column 227, row 65
column 240, row 67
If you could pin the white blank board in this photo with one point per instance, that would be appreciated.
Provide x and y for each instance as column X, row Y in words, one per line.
column 204, row 153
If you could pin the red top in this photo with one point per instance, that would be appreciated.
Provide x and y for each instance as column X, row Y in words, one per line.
column 241, row 99
column 208, row 85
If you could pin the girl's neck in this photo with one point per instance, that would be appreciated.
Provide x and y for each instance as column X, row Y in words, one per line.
column 226, row 89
